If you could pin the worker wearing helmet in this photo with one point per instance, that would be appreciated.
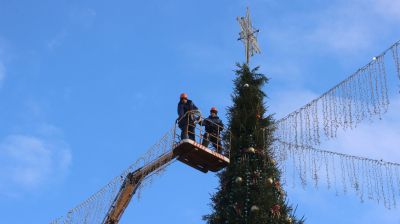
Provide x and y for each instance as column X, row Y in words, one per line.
column 185, row 120
column 213, row 127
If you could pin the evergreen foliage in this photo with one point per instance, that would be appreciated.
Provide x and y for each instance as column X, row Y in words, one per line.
column 250, row 191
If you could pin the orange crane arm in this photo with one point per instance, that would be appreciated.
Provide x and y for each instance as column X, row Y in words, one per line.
column 186, row 151
column 131, row 184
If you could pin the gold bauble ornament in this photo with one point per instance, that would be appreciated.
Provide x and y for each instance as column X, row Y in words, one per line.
column 254, row 208
column 251, row 150
column 270, row 181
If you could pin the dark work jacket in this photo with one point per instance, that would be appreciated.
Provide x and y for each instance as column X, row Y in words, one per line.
column 183, row 108
column 213, row 124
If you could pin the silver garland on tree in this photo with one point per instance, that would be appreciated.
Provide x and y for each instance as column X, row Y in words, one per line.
column 361, row 96
column 367, row 178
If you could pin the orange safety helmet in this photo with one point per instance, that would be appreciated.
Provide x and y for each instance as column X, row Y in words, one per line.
column 214, row 109
column 184, row 96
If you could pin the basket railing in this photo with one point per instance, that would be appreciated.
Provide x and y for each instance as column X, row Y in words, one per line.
column 191, row 126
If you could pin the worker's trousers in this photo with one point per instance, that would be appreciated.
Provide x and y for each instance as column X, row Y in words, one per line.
column 214, row 139
column 188, row 132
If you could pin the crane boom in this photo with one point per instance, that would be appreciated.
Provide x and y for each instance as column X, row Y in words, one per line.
column 131, row 183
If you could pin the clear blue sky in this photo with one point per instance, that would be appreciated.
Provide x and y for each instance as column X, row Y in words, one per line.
column 86, row 87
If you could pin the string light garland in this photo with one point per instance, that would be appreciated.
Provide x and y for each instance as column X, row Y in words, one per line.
column 361, row 96
column 368, row 178
column 95, row 208
column 395, row 52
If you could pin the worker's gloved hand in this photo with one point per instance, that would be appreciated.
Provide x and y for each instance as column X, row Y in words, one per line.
column 197, row 119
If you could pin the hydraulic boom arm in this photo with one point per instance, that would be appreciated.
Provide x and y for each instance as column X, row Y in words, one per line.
column 131, row 184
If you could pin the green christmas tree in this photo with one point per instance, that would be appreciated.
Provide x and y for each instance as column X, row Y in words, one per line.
column 250, row 191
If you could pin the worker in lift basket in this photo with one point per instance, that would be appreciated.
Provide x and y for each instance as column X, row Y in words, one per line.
column 186, row 120
column 213, row 126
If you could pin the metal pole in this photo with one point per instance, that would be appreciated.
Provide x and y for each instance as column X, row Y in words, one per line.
column 247, row 50
column 173, row 138
column 218, row 139
column 187, row 125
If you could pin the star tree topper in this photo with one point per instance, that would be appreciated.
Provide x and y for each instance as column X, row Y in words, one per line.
column 248, row 36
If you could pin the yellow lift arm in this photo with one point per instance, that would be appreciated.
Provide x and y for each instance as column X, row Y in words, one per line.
column 187, row 151
column 131, row 184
